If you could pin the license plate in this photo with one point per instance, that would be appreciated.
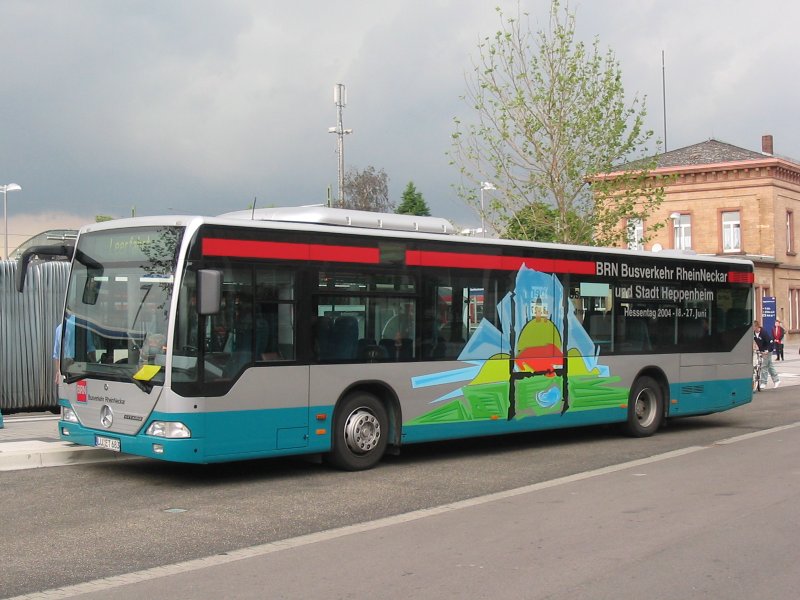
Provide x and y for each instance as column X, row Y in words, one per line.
column 107, row 443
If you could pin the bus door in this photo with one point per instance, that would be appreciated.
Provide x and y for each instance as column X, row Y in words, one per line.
column 249, row 359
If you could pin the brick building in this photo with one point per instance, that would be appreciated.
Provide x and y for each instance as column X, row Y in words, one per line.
column 726, row 200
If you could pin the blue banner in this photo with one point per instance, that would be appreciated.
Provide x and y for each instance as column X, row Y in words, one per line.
column 768, row 313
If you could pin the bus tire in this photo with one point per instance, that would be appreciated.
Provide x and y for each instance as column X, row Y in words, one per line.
column 360, row 432
column 645, row 408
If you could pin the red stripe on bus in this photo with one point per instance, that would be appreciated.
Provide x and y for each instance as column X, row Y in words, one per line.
column 350, row 254
column 422, row 258
column 289, row 251
column 740, row 277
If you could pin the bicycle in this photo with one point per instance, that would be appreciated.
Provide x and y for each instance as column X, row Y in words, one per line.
column 758, row 361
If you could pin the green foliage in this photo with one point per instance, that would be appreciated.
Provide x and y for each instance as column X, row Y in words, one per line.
column 102, row 218
column 550, row 120
column 367, row 190
column 535, row 222
column 413, row 203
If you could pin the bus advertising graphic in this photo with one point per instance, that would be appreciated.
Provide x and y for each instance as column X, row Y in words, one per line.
column 531, row 372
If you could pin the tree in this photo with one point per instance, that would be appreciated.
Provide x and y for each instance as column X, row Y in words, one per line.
column 536, row 221
column 550, row 123
column 413, row 203
column 367, row 190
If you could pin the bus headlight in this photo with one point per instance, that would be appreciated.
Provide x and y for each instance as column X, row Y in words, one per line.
column 68, row 415
column 168, row 429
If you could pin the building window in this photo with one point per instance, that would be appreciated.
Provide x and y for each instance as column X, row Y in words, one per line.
column 635, row 234
column 731, row 232
column 789, row 232
column 794, row 309
column 682, row 224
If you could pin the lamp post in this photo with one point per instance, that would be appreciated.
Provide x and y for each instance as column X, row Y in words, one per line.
column 485, row 185
column 10, row 187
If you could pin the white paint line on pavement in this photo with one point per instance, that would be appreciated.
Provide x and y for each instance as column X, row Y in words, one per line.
column 755, row 434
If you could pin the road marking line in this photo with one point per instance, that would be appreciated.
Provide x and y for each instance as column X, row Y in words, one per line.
column 755, row 434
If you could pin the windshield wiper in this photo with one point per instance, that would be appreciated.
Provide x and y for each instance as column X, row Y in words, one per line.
column 74, row 378
column 145, row 386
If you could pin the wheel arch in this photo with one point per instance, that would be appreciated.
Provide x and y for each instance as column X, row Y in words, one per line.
column 387, row 396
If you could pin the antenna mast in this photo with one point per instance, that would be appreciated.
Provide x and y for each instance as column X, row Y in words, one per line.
column 340, row 99
column 664, row 98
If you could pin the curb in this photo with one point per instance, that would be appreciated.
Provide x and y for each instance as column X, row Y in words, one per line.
column 16, row 456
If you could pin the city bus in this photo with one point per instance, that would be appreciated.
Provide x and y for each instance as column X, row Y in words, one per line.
column 347, row 335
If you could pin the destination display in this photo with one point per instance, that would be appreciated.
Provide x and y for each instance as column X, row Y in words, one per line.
column 156, row 244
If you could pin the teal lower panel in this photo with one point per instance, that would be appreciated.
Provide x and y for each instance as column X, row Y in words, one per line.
column 430, row 432
column 703, row 397
column 222, row 436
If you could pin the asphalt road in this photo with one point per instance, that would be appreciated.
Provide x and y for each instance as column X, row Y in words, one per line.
column 67, row 525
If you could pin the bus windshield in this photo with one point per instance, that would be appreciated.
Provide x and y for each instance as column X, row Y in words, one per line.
column 117, row 306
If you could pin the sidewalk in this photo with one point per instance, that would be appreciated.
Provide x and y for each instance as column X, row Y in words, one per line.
column 31, row 440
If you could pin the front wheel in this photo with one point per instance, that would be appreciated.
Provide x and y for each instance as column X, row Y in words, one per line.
column 360, row 432
column 645, row 408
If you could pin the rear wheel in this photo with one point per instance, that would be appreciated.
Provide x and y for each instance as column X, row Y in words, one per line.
column 645, row 408
column 360, row 430
column 756, row 373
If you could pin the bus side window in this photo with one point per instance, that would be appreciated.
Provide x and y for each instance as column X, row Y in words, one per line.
column 345, row 338
column 592, row 302
column 632, row 335
column 323, row 338
column 275, row 309
column 600, row 328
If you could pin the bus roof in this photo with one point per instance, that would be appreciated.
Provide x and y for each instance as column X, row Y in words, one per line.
column 321, row 218
column 343, row 217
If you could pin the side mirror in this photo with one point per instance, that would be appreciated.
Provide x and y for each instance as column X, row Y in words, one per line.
column 209, row 291
column 91, row 288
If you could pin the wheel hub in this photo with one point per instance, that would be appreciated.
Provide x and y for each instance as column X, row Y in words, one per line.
column 362, row 431
column 645, row 408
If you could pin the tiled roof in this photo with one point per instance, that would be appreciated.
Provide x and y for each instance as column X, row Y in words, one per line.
column 705, row 153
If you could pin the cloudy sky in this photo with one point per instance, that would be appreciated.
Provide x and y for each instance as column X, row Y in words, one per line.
column 199, row 106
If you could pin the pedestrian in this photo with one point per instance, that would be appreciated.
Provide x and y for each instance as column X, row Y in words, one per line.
column 777, row 334
column 69, row 347
column 765, row 344
column 57, row 353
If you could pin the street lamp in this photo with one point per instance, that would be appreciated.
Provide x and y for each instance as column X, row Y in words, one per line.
column 11, row 187
column 485, row 185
